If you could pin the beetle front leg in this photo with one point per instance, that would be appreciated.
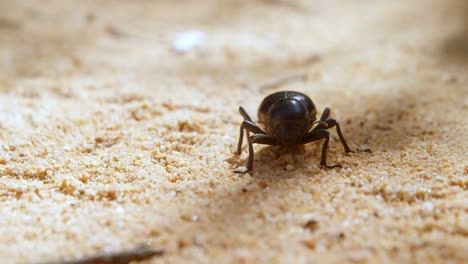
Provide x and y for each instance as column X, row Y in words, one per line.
column 251, row 155
column 244, row 114
column 325, row 114
column 322, row 122
column 259, row 139
column 318, row 134
column 250, row 159
column 250, row 127
column 242, row 127
column 239, row 143
column 331, row 123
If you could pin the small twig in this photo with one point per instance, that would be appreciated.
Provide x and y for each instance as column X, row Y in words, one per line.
column 117, row 32
column 272, row 84
column 121, row 257
column 368, row 150
column 287, row 4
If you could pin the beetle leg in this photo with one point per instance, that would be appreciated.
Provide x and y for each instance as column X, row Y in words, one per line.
column 322, row 122
column 239, row 143
column 317, row 135
column 259, row 139
column 250, row 127
column 241, row 133
column 325, row 114
column 251, row 155
column 331, row 123
column 244, row 114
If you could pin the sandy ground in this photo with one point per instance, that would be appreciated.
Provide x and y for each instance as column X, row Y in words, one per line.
column 110, row 139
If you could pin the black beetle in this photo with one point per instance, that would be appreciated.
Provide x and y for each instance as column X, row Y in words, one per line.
column 288, row 118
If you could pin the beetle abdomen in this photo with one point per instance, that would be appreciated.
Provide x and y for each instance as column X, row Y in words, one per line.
column 274, row 97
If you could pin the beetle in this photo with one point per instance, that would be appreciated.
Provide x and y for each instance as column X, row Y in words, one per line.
column 288, row 118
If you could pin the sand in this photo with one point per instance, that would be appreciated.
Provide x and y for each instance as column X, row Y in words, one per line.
column 115, row 136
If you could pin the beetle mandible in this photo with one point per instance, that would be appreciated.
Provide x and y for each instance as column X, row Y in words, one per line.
column 288, row 118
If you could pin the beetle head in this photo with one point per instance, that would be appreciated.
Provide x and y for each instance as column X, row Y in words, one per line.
column 289, row 120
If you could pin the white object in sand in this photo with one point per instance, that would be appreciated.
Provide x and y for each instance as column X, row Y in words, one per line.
column 187, row 40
